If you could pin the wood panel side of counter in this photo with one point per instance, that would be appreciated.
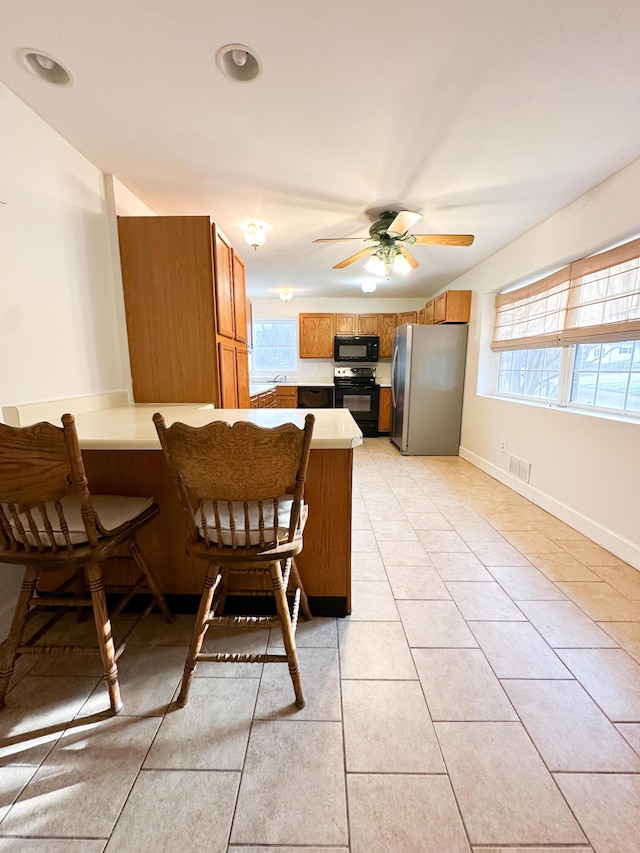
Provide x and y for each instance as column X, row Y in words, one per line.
column 325, row 562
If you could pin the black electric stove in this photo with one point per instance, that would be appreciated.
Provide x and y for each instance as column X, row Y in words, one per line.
column 356, row 390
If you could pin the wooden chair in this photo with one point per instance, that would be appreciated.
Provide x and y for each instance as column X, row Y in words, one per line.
column 49, row 522
column 240, row 487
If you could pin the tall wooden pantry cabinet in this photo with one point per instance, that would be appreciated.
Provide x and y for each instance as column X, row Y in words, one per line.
column 184, row 294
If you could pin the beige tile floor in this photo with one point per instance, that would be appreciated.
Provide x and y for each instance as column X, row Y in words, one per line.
column 484, row 696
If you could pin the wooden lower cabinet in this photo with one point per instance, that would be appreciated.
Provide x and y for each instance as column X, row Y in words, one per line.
column 242, row 377
column 287, row 396
column 265, row 400
column 228, row 375
column 325, row 561
column 233, row 360
column 384, row 411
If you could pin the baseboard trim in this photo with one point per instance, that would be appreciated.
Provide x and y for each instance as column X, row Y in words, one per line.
column 613, row 542
column 260, row 605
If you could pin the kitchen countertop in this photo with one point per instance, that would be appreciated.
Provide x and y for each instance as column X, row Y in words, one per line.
column 131, row 427
column 309, row 382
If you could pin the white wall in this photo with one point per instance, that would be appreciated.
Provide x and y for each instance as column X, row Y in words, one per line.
column 58, row 318
column 585, row 469
column 60, row 298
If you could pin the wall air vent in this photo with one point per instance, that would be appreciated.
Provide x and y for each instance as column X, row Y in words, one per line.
column 519, row 468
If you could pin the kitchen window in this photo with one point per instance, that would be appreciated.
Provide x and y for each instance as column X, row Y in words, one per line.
column 275, row 346
column 573, row 338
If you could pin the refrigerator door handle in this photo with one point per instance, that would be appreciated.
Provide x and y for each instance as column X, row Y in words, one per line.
column 394, row 365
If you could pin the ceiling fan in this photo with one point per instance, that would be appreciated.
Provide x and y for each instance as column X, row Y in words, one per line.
column 389, row 235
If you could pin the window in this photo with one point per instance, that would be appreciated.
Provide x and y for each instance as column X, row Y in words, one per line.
column 607, row 376
column 274, row 346
column 574, row 336
column 533, row 373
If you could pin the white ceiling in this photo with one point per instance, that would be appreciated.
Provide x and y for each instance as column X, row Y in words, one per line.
column 486, row 116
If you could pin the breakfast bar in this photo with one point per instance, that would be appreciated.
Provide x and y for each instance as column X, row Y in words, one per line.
column 122, row 455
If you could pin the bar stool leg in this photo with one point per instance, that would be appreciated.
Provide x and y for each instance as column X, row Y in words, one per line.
column 287, row 631
column 141, row 563
column 105, row 635
column 20, row 614
column 306, row 612
column 199, row 630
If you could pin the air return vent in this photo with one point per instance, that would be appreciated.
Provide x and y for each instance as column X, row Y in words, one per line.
column 519, row 468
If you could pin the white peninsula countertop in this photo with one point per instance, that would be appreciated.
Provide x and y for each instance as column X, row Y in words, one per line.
column 131, row 427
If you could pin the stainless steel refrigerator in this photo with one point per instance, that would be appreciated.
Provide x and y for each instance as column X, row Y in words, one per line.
column 427, row 379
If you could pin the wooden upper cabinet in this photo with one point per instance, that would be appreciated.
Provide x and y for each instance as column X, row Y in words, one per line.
column 224, row 284
column 452, row 306
column 368, row 324
column 178, row 279
column 429, row 312
column 249, row 310
column 316, row 333
column 407, row 317
column 239, row 298
column 167, row 276
column 346, row 324
column 387, row 324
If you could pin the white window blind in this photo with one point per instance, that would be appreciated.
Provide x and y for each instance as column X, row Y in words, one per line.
column 532, row 316
column 596, row 299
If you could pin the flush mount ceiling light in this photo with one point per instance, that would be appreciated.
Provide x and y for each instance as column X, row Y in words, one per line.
column 368, row 286
column 238, row 63
column 45, row 67
column 254, row 233
column 285, row 294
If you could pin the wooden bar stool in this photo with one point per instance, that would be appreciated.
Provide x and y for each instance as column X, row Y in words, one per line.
column 240, row 487
column 49, row 522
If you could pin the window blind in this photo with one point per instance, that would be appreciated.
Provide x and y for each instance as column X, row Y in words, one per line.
column 532, row 316
column 595, row 299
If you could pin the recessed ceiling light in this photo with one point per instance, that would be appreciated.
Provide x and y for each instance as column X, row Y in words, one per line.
column 238, row 63
column 45, row 67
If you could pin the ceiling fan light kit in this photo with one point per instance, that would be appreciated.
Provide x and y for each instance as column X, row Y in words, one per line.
column 390, row 232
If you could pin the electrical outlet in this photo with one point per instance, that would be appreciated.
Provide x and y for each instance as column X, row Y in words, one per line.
column 503, row 445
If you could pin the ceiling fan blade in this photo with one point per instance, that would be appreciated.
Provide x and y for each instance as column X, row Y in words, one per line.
column 407, row 254
column 337, row 239
column 403, row 221
column 353, row 258
column 443, row 239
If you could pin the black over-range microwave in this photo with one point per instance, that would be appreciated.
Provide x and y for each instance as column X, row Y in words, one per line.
column 356, row 347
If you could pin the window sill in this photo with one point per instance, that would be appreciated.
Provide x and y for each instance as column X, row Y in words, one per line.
column 569, row 408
